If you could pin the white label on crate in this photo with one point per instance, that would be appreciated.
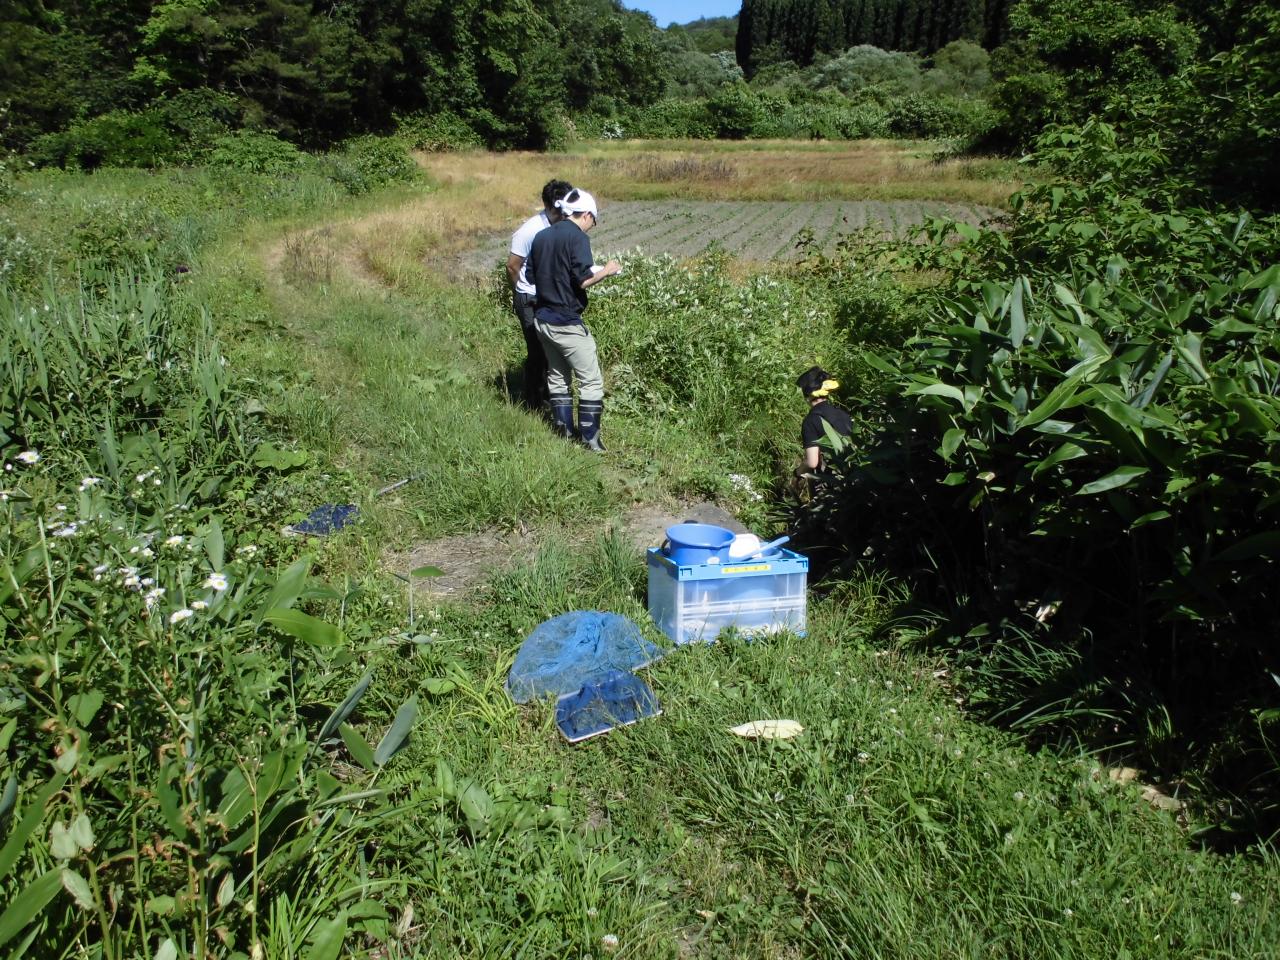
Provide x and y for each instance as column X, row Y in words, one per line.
column 749, row 568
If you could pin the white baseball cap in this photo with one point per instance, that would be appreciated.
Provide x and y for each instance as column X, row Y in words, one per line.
column 579, row 201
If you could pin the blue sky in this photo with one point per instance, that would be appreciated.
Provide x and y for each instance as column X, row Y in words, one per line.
column 682, row 11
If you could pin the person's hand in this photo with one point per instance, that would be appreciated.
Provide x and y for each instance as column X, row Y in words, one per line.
column 612, row 268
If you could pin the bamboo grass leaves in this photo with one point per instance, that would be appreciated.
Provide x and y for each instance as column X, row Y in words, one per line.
column 1104, row 376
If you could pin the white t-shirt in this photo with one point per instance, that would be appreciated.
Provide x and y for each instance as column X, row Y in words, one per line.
column 522, row 241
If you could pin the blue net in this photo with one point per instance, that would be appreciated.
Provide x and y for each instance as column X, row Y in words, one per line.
column 614, row 700
column 566, row 652
column 327, row 519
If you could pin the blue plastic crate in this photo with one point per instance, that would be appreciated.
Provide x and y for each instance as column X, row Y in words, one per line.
column 692, row 602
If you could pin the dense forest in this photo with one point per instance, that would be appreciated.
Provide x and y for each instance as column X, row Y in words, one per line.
column 320, row 72
column 770, row 31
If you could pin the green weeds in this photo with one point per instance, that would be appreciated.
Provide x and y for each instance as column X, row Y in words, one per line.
column 213, row 745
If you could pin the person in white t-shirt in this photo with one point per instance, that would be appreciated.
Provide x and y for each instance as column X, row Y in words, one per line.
column 523, row 291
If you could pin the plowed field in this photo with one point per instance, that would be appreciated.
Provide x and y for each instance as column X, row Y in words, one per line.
column 749, row 229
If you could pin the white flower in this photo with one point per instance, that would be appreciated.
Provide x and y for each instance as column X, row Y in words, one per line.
column 216, row 581
column 29, row 457
column 179, row 615
column 864, row 757
column 174, row 541
column 1068, row 913
column 100, row 568
column 88, row 482
column 609, row 943
column 1236, row 898
column 1019, row 796
column 153, row 595
column 68, row 531
column 199, row 605
column 247, row 551
column 4, row 496
column 60, row 507
column 146, row 552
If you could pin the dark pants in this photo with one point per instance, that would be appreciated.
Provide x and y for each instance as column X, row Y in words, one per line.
column 535, row 361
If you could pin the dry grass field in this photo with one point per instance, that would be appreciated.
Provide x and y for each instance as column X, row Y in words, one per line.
column 790, row 170
column 678, row 197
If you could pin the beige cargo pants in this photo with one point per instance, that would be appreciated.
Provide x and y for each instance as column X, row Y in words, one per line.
column 571, row 354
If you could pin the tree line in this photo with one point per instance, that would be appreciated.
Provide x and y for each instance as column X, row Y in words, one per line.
column 317, row 72
column 773, row 31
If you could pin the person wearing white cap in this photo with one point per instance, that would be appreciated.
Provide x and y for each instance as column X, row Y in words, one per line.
column 522, row 291
column 560, row 265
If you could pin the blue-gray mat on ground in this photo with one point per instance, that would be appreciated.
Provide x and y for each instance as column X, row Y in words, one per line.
column 566, row 652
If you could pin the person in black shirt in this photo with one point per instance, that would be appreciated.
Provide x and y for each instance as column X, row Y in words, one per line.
column 816, row 385
column 560, row 266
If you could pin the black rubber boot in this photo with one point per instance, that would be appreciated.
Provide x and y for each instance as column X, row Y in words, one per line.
column 535, row 372
column 589, row 413
column 562, row 415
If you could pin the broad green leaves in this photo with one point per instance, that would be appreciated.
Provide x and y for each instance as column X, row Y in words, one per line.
column 1090, row 413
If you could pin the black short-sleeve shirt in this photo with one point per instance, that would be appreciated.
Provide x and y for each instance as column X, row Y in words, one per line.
column 812, row 432
column 559, row 260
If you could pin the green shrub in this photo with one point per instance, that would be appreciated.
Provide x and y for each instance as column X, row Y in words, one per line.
column 199, row 118
column 960, row 69
column 670, row 119
column 8, row 182
column 867, row 66
column 932, row 117
column 817, row 120
column 251, row 151
column 1065, row 62
column 111, row 234
column 696, row 344
column 367, row 163
column 23, row 256
column 121, row 138
column 735, row 112
column 438, row 132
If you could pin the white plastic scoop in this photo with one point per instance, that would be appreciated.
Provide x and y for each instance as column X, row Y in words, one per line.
column 746, row 546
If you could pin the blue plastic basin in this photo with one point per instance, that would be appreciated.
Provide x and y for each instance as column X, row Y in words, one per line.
column 695, row 542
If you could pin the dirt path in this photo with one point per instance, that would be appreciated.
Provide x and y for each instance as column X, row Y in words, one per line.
column 469, row 559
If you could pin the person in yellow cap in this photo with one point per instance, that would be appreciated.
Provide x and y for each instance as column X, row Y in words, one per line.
column 817, row 385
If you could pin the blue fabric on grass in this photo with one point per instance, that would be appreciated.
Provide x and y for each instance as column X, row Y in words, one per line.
column 614, row 700
column 327, row 519
column 567, row 652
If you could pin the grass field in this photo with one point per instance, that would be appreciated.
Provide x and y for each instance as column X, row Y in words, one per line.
column 894, row 827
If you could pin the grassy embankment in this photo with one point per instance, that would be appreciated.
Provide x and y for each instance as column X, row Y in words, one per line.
column 894, row 827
